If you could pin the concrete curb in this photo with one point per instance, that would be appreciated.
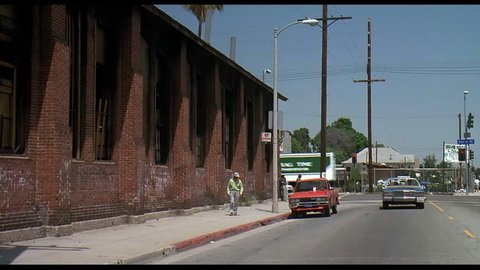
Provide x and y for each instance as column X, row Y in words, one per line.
column 82, row 226
column 202, row 240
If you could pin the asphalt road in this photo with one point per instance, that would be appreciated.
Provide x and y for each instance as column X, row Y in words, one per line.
column 447, row 231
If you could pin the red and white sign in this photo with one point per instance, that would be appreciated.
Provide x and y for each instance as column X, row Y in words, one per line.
column 266, row 137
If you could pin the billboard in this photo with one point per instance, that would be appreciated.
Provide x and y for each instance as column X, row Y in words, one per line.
column 450, row 152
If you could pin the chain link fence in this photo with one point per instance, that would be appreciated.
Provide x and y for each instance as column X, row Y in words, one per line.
column 433, row 179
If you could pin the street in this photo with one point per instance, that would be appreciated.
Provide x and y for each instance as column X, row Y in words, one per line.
column 445, row 232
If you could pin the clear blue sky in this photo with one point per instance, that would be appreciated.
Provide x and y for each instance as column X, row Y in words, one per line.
column 427, row 54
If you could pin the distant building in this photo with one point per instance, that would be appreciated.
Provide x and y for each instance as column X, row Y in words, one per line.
column 386, row 161
column 286, row 142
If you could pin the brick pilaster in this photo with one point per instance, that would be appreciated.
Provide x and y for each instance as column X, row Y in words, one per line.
column 52, row 147
column 130, row 150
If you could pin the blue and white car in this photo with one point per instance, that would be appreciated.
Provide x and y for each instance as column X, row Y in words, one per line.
column 403, row 190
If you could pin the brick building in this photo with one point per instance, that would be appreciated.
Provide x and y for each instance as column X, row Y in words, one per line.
column 119, row 110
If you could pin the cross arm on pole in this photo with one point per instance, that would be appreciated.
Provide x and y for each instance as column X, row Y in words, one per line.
column 332, row 18
column 373, row 80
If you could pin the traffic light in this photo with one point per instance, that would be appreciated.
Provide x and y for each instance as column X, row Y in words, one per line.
column 354, row 158
column 461, row 155
column 470, row 120
column 471, row 154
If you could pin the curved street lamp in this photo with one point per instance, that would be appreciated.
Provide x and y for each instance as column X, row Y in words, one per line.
column 312, row 22
column 268, row 71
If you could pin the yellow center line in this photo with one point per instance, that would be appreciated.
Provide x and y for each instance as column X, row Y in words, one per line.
column 438, row 207
column 470, row 234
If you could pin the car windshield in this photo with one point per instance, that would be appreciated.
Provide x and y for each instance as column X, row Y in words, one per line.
column 309, row 185
column 403, row 182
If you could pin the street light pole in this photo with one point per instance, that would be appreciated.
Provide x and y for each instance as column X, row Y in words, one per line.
column 274, row 125
column 311, row 22
column 467, row 159
column 323, row 98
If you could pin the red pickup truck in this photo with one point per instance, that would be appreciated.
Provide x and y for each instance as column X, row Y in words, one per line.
column 313, row 195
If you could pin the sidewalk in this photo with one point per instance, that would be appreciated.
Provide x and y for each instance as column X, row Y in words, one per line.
column 132, row 243
column 466, row 194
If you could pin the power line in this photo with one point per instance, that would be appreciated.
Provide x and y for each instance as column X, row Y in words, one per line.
column 464, row 70
column 376, row 117
column 351, row 39
column 441, row 70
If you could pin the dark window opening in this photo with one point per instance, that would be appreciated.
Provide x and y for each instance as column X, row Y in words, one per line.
column 15, row 42
column 76, row 33
column 7, row 106
column 250, row 133
column 268, row 146
column 163, row 92
column 229, row 126
column 199, row 117
column 104, row 91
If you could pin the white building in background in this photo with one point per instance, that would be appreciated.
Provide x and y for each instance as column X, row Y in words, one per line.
column 386, row 161
column 385, row 157
column 285, row 142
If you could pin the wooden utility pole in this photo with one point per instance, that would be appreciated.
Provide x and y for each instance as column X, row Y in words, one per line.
column 323, row 127
column 369, row 89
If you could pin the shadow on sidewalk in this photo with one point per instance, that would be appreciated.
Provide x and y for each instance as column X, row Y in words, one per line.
column 8, row 253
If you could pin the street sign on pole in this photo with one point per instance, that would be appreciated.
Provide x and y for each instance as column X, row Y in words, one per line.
column 266, row 137
column 465, row 141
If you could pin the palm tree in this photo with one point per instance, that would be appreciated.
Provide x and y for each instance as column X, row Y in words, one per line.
column 200, row 11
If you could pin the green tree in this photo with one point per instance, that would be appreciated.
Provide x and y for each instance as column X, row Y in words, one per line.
column 429, row 161
column 301, row 141
column 355, row 176
column 444, row 164
column 200, row 11
column 315, row 142
column 343, row 124
column 477, row 173
column 360, row 141
column 342, row 140
column 296, row 146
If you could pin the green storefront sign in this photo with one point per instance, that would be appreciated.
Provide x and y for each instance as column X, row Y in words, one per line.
column 301, row 164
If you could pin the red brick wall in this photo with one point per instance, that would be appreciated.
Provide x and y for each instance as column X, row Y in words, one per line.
column 51, row 148
column 46, row 182
column 182, row 161
column 94, row 184
column 214, row 182
column 129, row 151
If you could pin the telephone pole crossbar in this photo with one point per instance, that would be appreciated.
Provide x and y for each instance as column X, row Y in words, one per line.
column 374, row 80
column 369, row 89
